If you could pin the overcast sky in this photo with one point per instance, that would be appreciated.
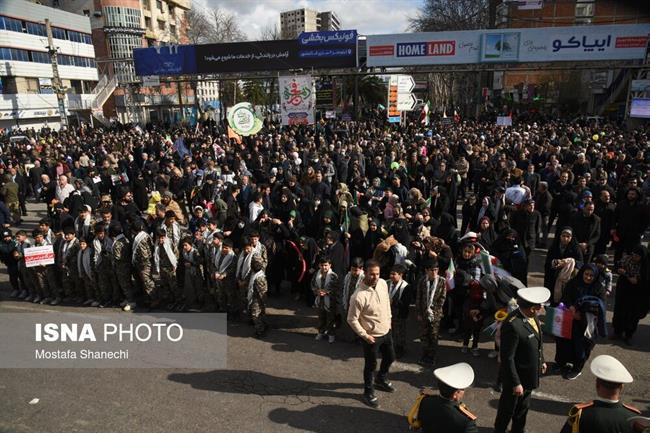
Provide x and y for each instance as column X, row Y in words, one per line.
column 366, row 16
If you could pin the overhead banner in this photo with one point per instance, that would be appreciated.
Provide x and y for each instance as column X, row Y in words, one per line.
column 551, row 44
column 165, row 60
column 311, row 50
column 297, row 100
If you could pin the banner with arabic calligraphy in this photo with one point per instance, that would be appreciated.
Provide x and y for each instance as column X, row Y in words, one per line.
column 297, row 99
column 552, row 44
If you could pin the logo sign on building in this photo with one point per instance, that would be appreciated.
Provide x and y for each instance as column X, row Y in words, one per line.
column 242, row 119
column 39, row 256
column 297, row 100
column 579, row 43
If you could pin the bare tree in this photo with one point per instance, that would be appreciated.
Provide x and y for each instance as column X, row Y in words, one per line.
column 270, row 32
column 211, row 26
column 445, row 15
column 450, row 90
column 197, row 28
column 226, row 27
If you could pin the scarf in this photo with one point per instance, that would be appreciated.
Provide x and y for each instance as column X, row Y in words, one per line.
column 325, row 299
column 83, row 263
column 227, row 260
column 174, row 232
column 346, row 288
column 167, row 248
column 251, row 286
column 67, row 245
column 83, row 227
column 432, row 288
column 244, row 265
column 396, row 289
column 141, row 236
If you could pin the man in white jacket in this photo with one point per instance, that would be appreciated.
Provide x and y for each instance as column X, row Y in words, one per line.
column 369, row 315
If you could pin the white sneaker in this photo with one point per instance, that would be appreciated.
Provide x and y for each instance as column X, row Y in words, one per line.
column 128, row 308
column 493, row 354
column 319, row 336
column 331, row 339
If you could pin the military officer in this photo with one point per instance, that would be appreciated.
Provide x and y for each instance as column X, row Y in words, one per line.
column 522, row 359
column 607, row 413
column 445, row 412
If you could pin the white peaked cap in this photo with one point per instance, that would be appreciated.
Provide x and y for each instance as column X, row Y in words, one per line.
column 457, row 376
column 534, row 295
column 608, row 368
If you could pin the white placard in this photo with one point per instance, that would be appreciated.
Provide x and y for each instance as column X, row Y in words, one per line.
column 39, row 256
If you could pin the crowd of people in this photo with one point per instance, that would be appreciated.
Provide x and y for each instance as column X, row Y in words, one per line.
column 148, row 203
column 196, row 219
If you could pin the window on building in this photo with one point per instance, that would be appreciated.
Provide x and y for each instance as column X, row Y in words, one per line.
column 58, row 33
column 14, row 54
column 40, row 57
column 146, row 5
column 147, row 23
column 30, row 85
column 64, row 60
column 172, row 30
column 172, row 11
column 122, row 17
column 161, row 25
column 159, row 5
column 584, row 11
column 9, row 85
column 14, row 25
column 35, row 29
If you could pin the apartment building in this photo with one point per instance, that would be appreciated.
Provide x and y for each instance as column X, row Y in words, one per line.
column 294, row 22
column 28, row 98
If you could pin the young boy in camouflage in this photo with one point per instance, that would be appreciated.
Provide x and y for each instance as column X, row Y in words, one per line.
column 165, row 259
column 256, row 296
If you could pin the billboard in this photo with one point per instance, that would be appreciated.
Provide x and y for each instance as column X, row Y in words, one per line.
column 165, row 60
column 552, row 44
column 310, row 50
column 297, row 100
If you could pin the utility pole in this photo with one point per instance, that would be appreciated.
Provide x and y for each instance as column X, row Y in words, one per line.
column 56, row 80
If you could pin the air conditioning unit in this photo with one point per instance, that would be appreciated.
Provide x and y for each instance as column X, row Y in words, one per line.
column 97, row 14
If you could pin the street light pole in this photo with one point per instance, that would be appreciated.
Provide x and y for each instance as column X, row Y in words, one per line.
column 56, row 80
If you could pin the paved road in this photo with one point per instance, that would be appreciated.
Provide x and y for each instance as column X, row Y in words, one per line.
column 285, row 383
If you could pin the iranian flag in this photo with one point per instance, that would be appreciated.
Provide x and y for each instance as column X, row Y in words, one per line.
column 449, row 275
column 558, row 322
column 492, row 265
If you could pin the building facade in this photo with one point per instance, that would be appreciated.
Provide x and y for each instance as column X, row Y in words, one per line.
column 118, row 27
column 26, row 68
column 294, row 22
column 599, row 91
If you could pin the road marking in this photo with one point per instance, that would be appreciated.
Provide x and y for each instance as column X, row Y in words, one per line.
column 406, row 367
column 552, row 397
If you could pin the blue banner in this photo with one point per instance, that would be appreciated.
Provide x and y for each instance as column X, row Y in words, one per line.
column 165, row 60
